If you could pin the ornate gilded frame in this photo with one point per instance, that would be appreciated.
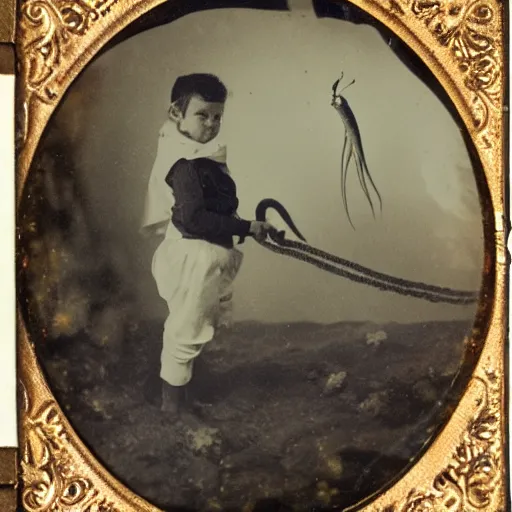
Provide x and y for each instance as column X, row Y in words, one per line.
column 463, row 44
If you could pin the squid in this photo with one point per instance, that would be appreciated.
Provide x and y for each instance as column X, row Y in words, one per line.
column 352, row 148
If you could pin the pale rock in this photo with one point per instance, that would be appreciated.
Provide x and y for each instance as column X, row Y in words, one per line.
column 376, row 338
column 335, row 382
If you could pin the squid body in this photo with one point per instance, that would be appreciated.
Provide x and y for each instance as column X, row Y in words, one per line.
column 352, row 149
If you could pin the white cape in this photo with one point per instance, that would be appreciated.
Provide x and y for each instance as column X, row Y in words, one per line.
column 172, row 146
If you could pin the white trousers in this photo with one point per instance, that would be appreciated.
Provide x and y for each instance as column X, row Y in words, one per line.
column 195, row 278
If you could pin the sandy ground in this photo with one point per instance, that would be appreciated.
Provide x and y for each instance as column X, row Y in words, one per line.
column 278, row 417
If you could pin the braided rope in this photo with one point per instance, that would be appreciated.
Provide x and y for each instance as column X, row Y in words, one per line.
column 360, row 274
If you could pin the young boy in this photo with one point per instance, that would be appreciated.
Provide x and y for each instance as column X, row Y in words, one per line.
column 192, row 201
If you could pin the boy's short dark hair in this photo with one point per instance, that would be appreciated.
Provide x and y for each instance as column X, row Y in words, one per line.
column 207, row 86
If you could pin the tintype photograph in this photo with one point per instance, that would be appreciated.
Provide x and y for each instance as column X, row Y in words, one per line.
column 252, row 246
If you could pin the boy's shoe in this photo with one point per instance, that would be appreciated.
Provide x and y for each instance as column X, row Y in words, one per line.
column 171, row 398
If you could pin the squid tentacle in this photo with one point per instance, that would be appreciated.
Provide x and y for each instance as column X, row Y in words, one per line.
column 369, row 176
column 362, row 182
column 344, row 155
column 344, row 186
column 358, row 144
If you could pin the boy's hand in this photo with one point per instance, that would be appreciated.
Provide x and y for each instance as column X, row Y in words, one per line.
column 259, row 230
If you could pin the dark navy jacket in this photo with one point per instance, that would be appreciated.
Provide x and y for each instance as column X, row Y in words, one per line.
column 205, row 202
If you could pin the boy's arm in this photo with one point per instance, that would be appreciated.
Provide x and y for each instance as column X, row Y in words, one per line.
column 190, row 209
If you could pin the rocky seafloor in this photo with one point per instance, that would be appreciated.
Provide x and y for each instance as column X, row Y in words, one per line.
column 278, row 417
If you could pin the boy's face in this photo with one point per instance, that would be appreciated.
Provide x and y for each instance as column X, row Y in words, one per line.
column 201, row 122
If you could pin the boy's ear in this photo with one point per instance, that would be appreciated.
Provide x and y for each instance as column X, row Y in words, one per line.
column 175, row 113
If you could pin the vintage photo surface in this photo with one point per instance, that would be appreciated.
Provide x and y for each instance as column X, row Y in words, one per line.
column 212, row 355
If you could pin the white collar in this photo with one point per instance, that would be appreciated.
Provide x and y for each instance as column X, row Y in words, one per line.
column 184, row 147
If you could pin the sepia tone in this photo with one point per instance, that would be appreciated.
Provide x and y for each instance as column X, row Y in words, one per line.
column 467, row 473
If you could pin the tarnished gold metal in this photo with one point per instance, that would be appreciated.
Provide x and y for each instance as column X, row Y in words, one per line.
column 8, row 479
column 8, row 499
column 7, row 61
column 7, row 21
column 463, row 45
column 8, row 466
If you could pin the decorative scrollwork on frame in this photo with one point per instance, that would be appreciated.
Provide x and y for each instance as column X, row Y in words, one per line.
column 50, row 479
column 47, row 29
column 467, row 29
column 472, row 480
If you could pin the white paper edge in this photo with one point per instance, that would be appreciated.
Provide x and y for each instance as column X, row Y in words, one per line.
column 8, row 416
